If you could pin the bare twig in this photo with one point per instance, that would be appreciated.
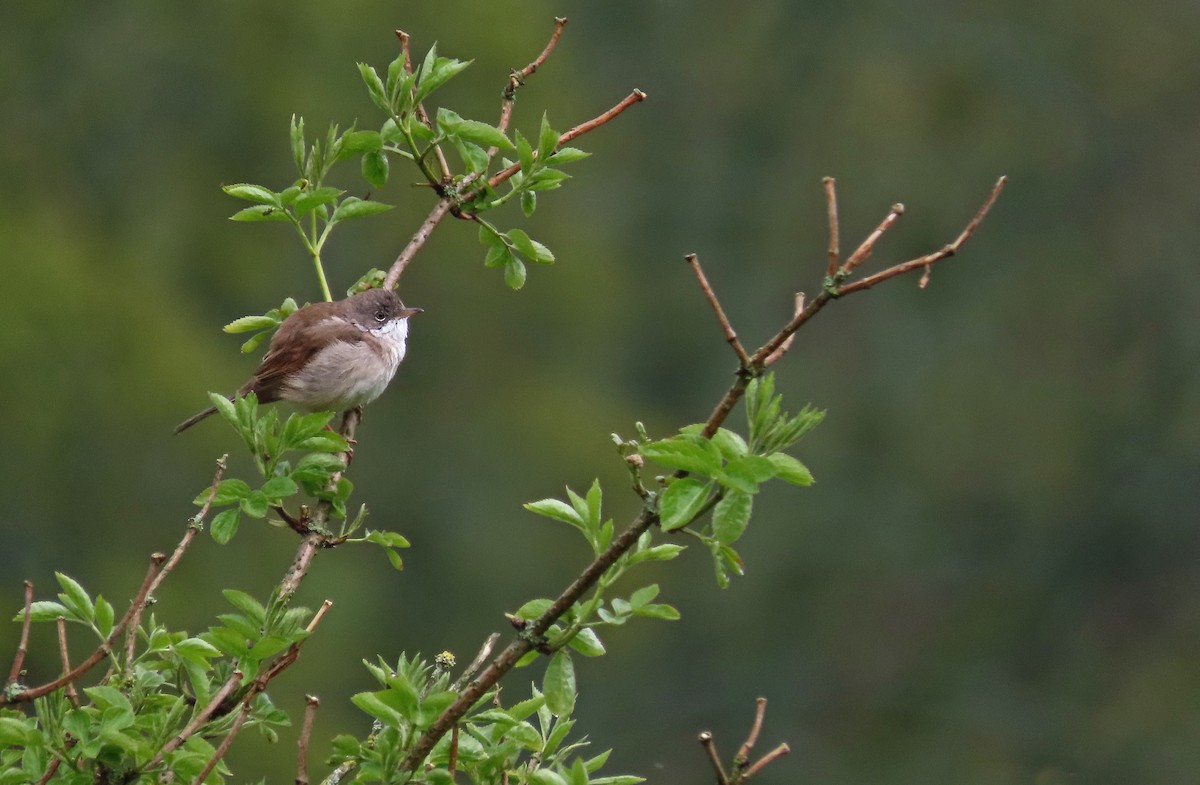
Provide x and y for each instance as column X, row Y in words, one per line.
column 439, row 211
column 156, row 561
column 51, row 770
column 863, row 252
column 774, row 356
column 65, row 658
column 311, row 704
column 421, row 113
column 485, row 651
column 831, row 208
column 743, row 754
column 14, row 673
column 710, row 746
column 936, row 256
column 223, row 747
column 770, row 757
column 579, row 130
column 517, row 78
column 711, row 296
column 233, row 681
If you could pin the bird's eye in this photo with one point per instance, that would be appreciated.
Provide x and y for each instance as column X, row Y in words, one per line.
column 381, row 316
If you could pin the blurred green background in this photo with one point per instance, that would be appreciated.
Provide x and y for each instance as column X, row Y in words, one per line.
column 995, row 579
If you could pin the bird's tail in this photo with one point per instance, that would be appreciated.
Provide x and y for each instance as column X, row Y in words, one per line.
column 195, row 418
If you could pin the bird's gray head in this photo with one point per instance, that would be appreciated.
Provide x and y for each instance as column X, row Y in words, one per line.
column 377, row 309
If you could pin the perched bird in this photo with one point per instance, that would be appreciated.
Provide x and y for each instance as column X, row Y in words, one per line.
column 331, row 356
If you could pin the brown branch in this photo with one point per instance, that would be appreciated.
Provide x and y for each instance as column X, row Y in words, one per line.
column 234, row 679
column 774, row 356
column 311, row 704
column 831, row 208
column 51, row 769
column 533, row 634
column 156, row 561
column 770, row 757
column 223, row 747
column 710, row 746
column 711, row 296
column 485, row 651
column 932, row 258
column 65, row 658
column 439, row 211
column 579, row 130
column 517, row 78
column 863, row 252
column 421, row 113
column 743, row 754
column 23, row 646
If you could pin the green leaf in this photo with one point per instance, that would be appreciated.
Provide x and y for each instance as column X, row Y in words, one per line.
column 279, row 487
column 260, row 213
column 370, row 703
column 356, row 142
column 663, row 552
column 252, row 343
column 74, row 597
column 325, row 442
column 225, row 408
column 248, row 324
column 730, row 444
column 547, row 139
column 353, row 207
column 531, row 249
column 643, row 596
column 689, row 453
column 482, row 134
column 587, row 643
column 440, row 71
column 558, row 510
column 104, row 616
column 546, row 777
column 790, row 470
column 524, row 153
column 547, row 180
column 533, row 609
column 389, row 539
column 296, row 136
column 528, row 203
column 375, row 168
column 566, row 155
column 45, row 610
column 658, row 611
column 313, row 198
column 558, row 685
column 252, row 193
column 374, row 86
column 731, row 516
column 498, row 256
column 474, row 156
column 225, row 525
column 514, row 273
column 18, row 733
column 681, row 502
column 255, row 504
column 228, row 492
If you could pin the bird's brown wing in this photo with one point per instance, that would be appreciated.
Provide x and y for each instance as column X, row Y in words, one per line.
column 292, row 347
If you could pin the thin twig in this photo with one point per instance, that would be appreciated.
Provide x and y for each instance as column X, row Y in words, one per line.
column 485, row 651
column 421, row 113
column 14, row 673
column 517, row 78
column 770, row 757
column 439, row 211
column 233, row 681
column 831, row 208
column 100, row 653
column 774, row 356
column 51, row 769
column 223, row 747
column 194, row 524
column 711, row 296
column 579, row 130
column 743, row 754
column 936, row 256
column 863, row 252
column 65, row 658
column 311, row 704
column 710, row 746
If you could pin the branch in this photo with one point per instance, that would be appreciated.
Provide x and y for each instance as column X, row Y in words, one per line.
column 834, row 235
column 421, row 113
column 711, row 296
column 710, row 747
column 311, row 704
column 741, row 771
column 156, row 561
column 234, row 679
column 72, row 693
column 23, row 647
column 579, row 130
column 517, row 78
column 863, row 252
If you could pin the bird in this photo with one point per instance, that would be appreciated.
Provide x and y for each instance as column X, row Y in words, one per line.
column 330, row 356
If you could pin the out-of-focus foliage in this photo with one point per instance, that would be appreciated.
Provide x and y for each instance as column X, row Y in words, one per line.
column 995, row 580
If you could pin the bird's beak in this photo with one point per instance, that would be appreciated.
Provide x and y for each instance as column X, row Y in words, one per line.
column 407, row 312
